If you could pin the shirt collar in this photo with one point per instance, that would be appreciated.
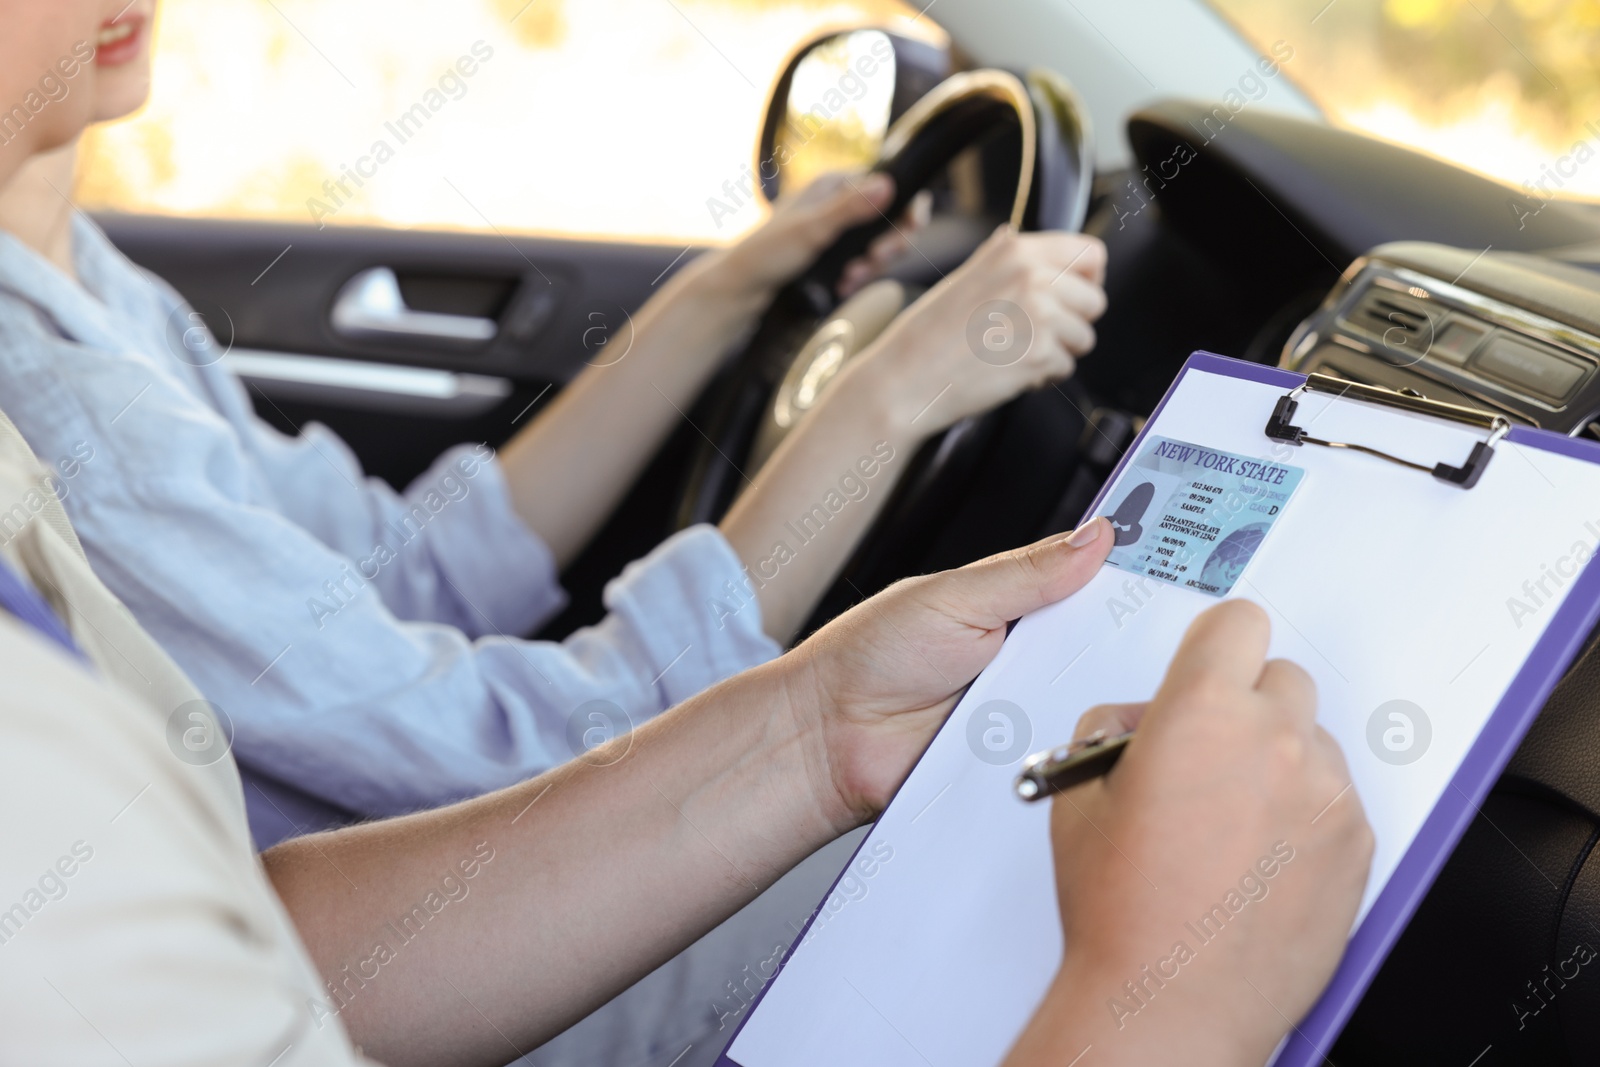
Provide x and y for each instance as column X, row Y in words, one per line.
column 85, row 308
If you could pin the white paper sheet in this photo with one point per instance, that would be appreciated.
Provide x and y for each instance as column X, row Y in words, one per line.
column 1384, row 583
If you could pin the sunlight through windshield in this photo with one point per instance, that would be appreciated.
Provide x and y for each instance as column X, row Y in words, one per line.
column 1510, row 88
column 605, row 118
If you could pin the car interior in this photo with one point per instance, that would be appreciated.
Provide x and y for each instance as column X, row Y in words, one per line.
column 1270, row 237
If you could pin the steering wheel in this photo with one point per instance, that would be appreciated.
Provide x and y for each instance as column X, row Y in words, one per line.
column 1034, row 153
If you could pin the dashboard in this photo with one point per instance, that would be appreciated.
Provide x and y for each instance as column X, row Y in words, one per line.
column 1283, row 240
column 1515, row 334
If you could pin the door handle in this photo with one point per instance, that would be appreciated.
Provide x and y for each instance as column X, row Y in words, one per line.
column 370, row 305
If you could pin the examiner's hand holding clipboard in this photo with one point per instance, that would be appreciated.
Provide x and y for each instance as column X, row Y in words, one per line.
column 1230, row 794
column 1381, row 533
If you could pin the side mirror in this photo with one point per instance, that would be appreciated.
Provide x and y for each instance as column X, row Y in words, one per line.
column 835, row 101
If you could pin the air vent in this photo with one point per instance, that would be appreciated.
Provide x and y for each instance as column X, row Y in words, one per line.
column 1398, row 319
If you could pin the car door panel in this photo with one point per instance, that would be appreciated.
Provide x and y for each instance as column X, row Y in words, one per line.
column 404, row 341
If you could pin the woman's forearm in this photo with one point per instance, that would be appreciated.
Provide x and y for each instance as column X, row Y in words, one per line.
column 811, row 504
column 462, row 934
column 569, row 469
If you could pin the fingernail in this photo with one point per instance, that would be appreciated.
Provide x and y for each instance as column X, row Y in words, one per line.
column 877, row 186
column 1086, row 534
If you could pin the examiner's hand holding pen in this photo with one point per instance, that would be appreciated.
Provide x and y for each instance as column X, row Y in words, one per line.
column 1209, row 882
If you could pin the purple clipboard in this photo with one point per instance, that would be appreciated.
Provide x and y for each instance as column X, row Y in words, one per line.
column 1312, row 1038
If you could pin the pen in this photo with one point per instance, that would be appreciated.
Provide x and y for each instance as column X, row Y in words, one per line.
column 1058, row 769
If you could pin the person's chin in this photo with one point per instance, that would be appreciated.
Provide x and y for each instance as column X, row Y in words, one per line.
column 122, row 59
column 130, row 92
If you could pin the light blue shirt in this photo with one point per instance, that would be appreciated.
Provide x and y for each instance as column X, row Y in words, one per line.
column 364, row 643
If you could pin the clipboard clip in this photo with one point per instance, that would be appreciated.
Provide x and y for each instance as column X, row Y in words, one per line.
column 1279, row 427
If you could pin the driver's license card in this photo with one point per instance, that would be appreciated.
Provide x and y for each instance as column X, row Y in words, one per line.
column 1194, row 516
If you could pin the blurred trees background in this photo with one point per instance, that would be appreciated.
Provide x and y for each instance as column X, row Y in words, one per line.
column 603, row 118
column 622, row 118
column 1502, row 85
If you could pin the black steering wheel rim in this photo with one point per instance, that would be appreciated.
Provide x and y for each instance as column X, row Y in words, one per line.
column 1053, row 176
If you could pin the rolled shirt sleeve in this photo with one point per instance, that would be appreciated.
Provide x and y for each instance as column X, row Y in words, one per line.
column 370, row 671
column 470, row 561
column 690, row 605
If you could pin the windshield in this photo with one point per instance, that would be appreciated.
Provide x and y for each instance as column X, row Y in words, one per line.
column 1510, row 88
column 615, row 119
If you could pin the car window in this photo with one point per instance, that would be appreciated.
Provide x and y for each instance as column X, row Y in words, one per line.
column 622, row 119
column 1509, row 89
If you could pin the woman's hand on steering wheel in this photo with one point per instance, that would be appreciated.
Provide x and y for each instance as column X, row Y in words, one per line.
column 804, row 224
column 1015, row 316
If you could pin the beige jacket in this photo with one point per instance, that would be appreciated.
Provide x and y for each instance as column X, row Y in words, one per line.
column 136, row 923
